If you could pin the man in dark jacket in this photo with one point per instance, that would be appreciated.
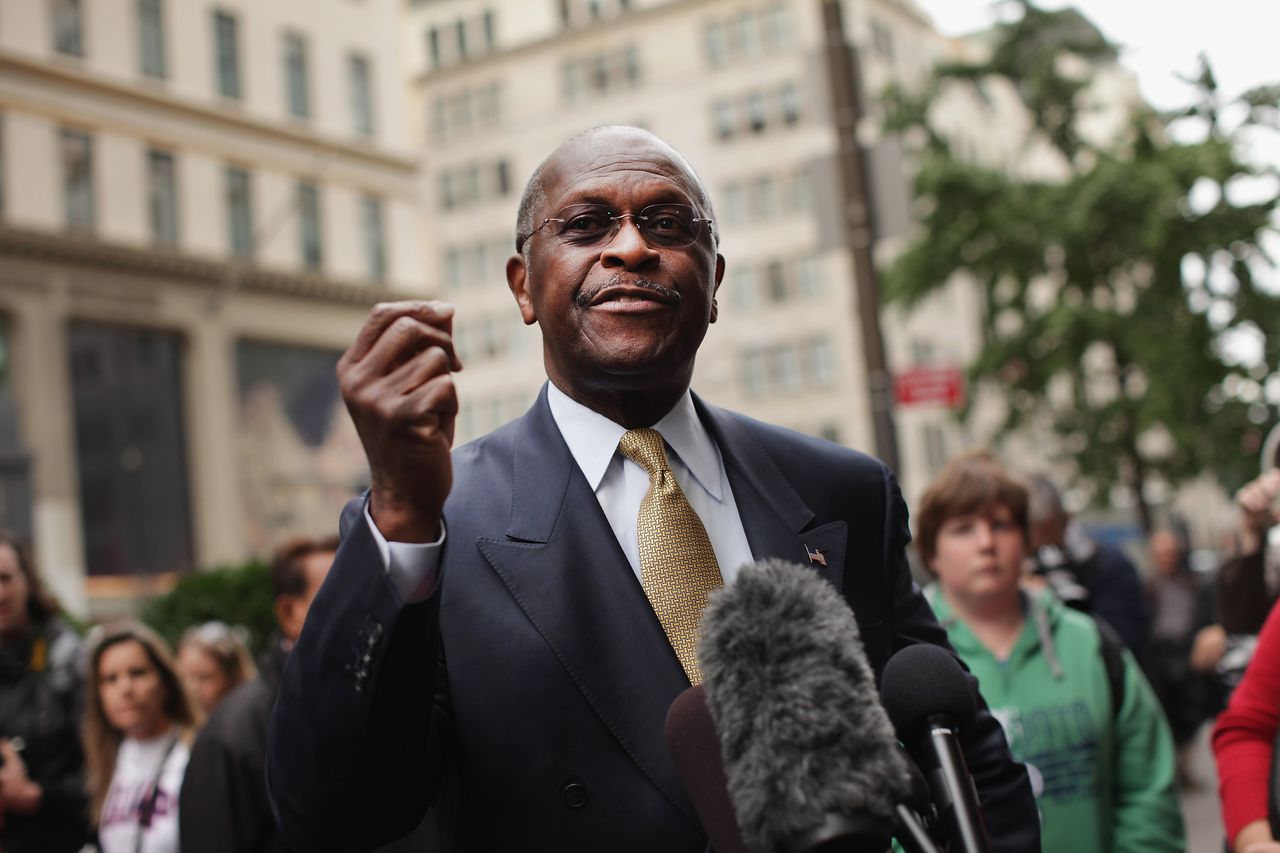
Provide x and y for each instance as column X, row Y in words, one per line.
column 515, row 672
column 224, row 805
column 1106, row 581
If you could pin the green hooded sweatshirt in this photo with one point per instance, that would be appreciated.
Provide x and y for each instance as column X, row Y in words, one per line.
column 1103, row 776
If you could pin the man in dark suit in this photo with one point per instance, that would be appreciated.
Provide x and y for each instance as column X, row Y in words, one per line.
column 497, row 636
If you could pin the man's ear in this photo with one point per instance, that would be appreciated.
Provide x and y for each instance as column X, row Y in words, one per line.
column 517, row 280
column 715, row 309
column 288, row 617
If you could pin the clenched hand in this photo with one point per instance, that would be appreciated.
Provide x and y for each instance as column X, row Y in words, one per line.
column 397, row 382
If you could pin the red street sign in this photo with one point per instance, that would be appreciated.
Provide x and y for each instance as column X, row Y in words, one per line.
column 929, row 386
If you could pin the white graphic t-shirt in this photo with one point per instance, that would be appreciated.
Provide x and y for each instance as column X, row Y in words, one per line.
column 132, row 809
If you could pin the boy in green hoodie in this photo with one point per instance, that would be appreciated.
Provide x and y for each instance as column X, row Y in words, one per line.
column 1074, row 705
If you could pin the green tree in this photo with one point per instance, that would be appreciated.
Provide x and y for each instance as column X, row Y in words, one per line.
column 1120, row 293
column 237, row 595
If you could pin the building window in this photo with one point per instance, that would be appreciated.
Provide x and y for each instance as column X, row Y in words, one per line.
column 717, row 43
column 789, row 104
column 775, row 28
column 808, row 277
column 460, row 35
column 375, row 242
column 722, row 116
column 472, row 183
column 460, row 113
column 77, row 180
column 935, row 448
column 295, row 73
column 775, row 281
column 309, row 238
column 786, row 369
column 361, row 94
column 801, row 198
column 747, row 35
column 68, row 27
column 766, row 192
column 239, row 212
column 820, row 362
column 756, row 112
column 151, row 54
column 162, row 193
column 746, row 292
column 882, row 41
column 227, row 52
column 601, row 73
column 433, row 48
column 489, row 27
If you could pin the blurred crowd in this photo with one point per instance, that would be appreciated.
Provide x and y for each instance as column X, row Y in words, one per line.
column 114, row 743
column 1101, row 675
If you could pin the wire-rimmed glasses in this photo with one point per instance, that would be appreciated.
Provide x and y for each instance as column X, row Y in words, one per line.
column 666, row 226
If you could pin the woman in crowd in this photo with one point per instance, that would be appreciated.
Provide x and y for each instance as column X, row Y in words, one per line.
column 212, row 660
column 137, row 732
column 1245, row 733
column 1074, row 705
column 42, row 802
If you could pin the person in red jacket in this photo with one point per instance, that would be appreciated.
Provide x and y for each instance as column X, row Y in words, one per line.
column 1244, row 735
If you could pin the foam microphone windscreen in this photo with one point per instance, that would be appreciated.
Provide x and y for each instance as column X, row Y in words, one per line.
column 802, row 732
column 695, row 749
column 923, row 681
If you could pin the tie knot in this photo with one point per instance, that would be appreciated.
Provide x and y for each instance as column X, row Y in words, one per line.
column 645, row 448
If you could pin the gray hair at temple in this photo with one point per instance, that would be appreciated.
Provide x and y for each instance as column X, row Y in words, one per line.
column 1044, row 501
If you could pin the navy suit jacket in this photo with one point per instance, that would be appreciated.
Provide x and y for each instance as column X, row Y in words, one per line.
column 526, row 698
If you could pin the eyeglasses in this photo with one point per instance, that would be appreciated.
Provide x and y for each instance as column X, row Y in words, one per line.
column 665, row 226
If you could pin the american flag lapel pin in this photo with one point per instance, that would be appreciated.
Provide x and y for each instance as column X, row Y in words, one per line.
column 816, row 555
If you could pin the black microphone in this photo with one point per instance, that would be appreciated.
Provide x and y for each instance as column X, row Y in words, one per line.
column 912, row 819
column 695, row 750
column 929, row 699
column 811, row 761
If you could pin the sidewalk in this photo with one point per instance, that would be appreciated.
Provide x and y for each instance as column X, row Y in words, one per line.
column 1200, row 803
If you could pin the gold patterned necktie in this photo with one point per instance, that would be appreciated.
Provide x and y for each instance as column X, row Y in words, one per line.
column 678, row 567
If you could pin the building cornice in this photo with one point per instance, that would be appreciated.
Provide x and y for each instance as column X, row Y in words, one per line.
column 73, row 250
column 224, row 117
column 605, row 28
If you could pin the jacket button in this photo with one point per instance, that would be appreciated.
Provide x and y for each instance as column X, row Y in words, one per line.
column 575, row 795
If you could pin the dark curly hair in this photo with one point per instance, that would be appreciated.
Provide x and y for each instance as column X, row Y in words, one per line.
column 41, row 605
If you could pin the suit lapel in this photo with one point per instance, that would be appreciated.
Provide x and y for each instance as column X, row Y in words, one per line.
column 566, row 571
column 776, row 519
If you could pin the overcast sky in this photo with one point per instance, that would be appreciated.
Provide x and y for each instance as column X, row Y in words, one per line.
column 1162, row 37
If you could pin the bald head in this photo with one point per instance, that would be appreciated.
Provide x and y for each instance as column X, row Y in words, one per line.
column 580, row 153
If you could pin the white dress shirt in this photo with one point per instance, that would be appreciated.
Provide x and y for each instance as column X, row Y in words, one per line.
column 619, row 484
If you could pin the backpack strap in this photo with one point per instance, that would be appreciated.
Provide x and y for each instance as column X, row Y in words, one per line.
column 1111, row 650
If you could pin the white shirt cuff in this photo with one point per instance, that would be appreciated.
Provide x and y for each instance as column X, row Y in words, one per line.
column 413, row 568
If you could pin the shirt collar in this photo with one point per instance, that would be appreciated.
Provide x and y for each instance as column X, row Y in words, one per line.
column 593, row 439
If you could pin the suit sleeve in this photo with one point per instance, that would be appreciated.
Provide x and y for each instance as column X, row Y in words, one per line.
column 1004, row 791
column 356, row 745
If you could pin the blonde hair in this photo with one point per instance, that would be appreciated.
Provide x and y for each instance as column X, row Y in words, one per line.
column 101, row 739
column 226, row 645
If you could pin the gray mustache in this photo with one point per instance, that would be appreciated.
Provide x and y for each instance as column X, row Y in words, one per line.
column 584, row 297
